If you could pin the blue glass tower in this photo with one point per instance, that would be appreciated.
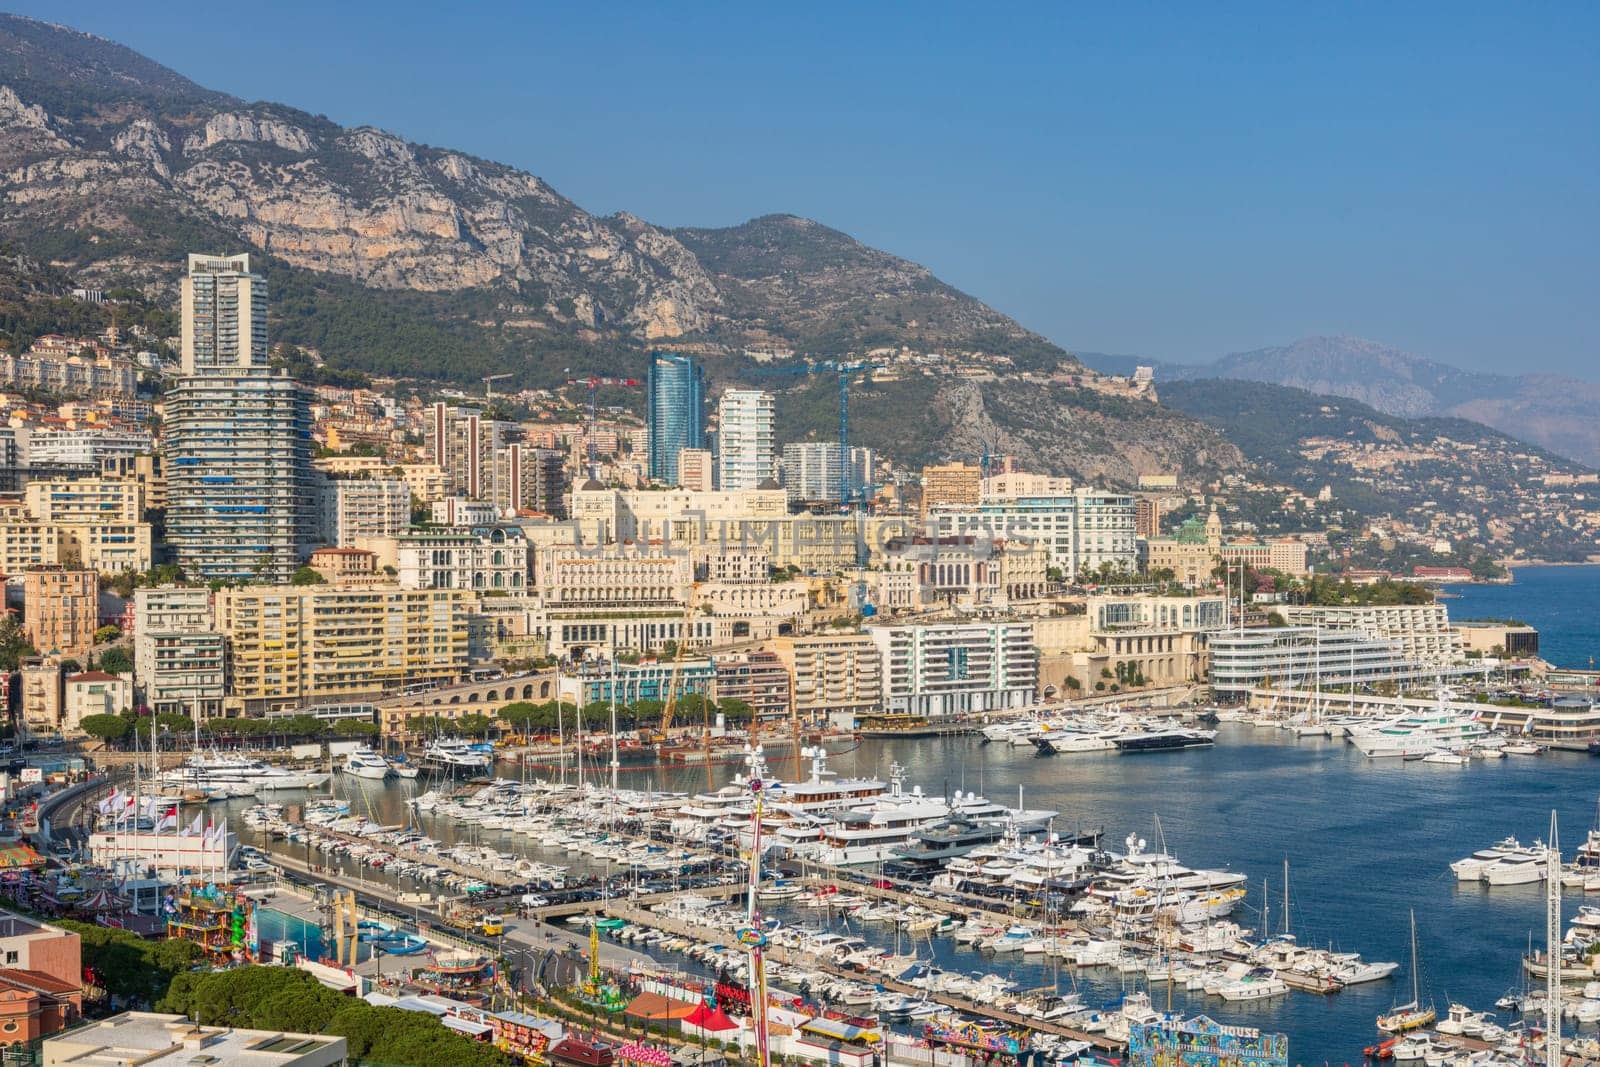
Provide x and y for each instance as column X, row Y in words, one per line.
column 676, row 416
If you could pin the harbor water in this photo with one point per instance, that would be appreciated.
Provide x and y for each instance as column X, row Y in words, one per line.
column 1558, row 601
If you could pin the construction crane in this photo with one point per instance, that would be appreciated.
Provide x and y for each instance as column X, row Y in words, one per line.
column 488, row 384
column 847, row 490
column 594, row 382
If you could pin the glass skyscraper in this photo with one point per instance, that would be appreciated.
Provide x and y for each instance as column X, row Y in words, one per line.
column 676, row 415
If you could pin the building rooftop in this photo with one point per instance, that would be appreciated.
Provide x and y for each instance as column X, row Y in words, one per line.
column 143, row 1038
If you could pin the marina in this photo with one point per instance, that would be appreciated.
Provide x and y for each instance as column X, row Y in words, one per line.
column 1222, row 805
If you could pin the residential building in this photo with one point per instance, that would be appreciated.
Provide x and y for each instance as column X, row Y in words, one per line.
column 833, row 674
column 943, row 669
column 745, row 422
column 41, row 984
column 759, row 679
column 1147, row 517
column 86, row 373
column 958, row 485
column 1012, row 484
column 622, row 599
column 93, row 693
column 145, row 471
column 179, row 656
column 151, row 1039
column 224, row 309
column 241, row 492
column 61, row 609
column 1420, row 632
column 40, row 708
column 697, row 471
column 25, row 543
column 462, row 511
column 1081, row 531
column 291, row 646
column 812, row 473
column 463, row 441
column 676, row 516
column 99, row 520
column 675, row 412
column 346, row 565
column 428, row 481
column 1304, row 657
column 529, row 479
column 491, row 559
column 85, row 448
column 364, row 507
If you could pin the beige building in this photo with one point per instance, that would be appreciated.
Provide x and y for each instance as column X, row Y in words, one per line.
column 833, row 675
column 40, row 706
column 957, row 484
column 25, row 543
column 61, row 609
column 1420, row 632
column 696, row 470
column 683, row 516
column 93, row 693
column 1158, row 638
column 1013, row 485
column 84, row 501
column 294, row 646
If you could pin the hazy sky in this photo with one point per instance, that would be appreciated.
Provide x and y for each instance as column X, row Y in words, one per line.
column 1173, row 181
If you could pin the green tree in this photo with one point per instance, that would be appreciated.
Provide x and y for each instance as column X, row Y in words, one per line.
column 735, row 710
column 174, row 723
column 116, row 661
column 107, row 633
column 473, row 724
column 105, row 727
column 356, row 728
column 14, row 646
column 307, row 576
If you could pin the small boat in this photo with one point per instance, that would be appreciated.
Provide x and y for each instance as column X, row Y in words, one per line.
column 1446, row 758
column 1522, row 748
column 1413, row 1015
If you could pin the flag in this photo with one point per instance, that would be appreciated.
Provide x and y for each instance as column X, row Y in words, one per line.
column 196, row 827
column 168, row 819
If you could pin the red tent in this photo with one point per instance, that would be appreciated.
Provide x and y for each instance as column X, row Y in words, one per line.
column 714, row 1019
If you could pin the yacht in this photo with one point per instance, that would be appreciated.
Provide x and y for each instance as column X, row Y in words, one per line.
column 1258, row 983
column 1419, row 735
column 445, row 755
column 1522, row 867
column 363, row 762
column 1471, row 868
column 1165, row 740
column 239, row 775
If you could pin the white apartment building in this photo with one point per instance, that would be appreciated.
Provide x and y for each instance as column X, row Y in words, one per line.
column 364, row 507
column 944, row 669
column 494, row 559
column 179, row 656
column 224, row 308
column 1420, row 632
column 744, row 439
column 1080, row 530
column 681, row 516
column 1304, row 657
column 812, row 472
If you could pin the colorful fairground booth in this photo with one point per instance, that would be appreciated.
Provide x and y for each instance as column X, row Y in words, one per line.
column 1202, row 1042
column 218, row 918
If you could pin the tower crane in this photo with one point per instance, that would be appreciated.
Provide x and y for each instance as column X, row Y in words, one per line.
column 488, row 384
column 593, row 382
column 847, row 490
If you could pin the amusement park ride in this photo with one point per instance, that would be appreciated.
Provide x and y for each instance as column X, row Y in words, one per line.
column 752, row 936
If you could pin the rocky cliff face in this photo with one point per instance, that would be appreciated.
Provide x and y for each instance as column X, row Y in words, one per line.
column 119, row 166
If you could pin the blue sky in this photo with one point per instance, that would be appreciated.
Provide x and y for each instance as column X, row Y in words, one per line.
column 1175, row 181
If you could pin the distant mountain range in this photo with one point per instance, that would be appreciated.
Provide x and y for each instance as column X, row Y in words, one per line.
column 1557, row 413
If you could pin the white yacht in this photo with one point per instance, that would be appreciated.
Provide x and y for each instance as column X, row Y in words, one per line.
column 239, row 776
column 1471, row 868
column 1258, row 983
column 1419, row 735
column 1523, row 867
column 446, row 754
column 363, row 762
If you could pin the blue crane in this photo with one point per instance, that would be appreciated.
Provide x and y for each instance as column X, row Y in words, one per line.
column 847, row 491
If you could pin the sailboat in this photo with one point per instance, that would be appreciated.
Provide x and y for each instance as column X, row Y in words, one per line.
column 1412, row 1016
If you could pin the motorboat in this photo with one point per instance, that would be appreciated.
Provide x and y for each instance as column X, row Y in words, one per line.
column 447, row 755
column 364, row 762
column 1165, row 740
column 1520, row 868
column 1445, row 757
column 1259, row 983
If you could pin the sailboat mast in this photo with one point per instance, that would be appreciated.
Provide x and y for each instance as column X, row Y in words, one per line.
column 1286, row 896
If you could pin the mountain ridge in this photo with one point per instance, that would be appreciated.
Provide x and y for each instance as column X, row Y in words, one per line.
column 1555, row 412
